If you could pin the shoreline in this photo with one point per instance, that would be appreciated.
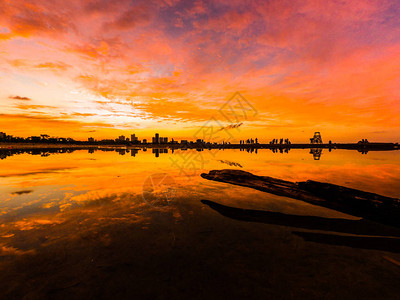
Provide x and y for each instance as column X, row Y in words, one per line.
column 344, row 146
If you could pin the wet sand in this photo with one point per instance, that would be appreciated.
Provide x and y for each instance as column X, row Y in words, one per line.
column 188, row 250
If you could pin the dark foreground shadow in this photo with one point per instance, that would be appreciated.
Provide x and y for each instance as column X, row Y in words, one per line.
column 359, row 227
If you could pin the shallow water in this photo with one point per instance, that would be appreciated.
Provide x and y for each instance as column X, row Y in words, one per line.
column 76, row 223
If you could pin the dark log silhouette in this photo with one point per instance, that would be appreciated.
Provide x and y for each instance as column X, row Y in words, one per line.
column 361, row 227
column 362, row 204
column 380, row 236
column 371, row 243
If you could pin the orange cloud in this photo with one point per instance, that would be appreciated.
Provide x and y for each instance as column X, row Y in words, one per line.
column 51, row 65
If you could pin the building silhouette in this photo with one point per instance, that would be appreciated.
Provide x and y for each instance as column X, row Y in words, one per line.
column 134, row 138
column 157, row 139
column 316, row 139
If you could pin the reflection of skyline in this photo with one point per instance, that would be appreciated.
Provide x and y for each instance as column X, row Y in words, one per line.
column 45, row 152
column 339, row 166
column 316, row 153
column 156, row 151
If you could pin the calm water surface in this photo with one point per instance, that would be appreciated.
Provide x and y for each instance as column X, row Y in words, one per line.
column 131, row 222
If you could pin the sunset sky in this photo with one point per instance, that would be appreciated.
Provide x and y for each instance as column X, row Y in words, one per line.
column 102, row 68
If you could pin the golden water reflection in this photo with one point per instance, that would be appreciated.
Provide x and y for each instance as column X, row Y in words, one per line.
column 44, row 191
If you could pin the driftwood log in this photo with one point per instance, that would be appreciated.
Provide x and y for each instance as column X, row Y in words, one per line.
column 358, row 203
